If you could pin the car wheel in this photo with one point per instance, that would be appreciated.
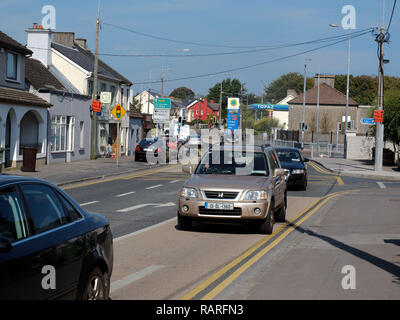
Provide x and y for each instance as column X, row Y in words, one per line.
column 281, row 216
column 184, row 223
column 304, row 185
column 267, row 225
column 96, row 287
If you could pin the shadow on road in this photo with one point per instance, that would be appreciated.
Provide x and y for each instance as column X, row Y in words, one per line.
column 378, row 262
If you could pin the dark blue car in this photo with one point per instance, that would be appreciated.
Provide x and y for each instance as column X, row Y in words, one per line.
column 50, row 248
column 292, row 159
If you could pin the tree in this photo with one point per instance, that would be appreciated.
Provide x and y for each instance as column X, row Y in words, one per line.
column 391, row 119
column 230, row 88
column 277, row 90
column 182, row 93
column 136, row 104
column 363, row 89
column 265, row 125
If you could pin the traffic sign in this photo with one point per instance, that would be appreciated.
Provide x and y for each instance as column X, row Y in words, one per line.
column 233, row 103
column 368, row 121
column 118, row 112
column 162, row 103
column 233, row 119
column 96, row 106
column 378, row 115
column 105, row 97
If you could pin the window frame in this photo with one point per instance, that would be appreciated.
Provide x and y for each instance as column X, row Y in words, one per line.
column 26, row 221
column 16, row 65
column 63, row 130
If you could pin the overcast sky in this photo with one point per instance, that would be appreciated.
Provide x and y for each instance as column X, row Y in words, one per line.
column 225, row 23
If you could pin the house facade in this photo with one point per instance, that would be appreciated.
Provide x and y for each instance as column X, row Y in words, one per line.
column 23, row 115
column 201, row 109
column 71, row 61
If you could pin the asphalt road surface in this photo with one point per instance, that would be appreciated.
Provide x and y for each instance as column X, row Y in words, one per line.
column 341, row 241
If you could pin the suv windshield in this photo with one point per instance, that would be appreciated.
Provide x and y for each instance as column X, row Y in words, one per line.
column 233, row 163
column 289, row 156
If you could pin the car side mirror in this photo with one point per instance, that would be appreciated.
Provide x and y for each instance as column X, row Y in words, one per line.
column 187, row 168
column 279, row 172
column 306, row 160
column 5, row 245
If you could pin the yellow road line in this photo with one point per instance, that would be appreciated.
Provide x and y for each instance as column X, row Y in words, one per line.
column 339, row 181
column 245, row 266
column 248, row 252
column 120, row 177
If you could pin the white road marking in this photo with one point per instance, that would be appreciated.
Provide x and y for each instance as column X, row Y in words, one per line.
column 173, row 181
column 87, row 203
column 143, row 230
column 138, row 206
column 381, row 185
column 125, row 194
column 156, row 186
column 118, row 284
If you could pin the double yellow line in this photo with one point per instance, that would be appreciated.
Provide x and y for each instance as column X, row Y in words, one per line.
column 323, row 171
column 210, row 288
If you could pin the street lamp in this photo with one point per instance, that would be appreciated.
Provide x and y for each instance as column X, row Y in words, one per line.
column 304, row 103
column 347, row 90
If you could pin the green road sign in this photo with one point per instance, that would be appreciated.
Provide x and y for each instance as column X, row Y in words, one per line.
column 162, row 103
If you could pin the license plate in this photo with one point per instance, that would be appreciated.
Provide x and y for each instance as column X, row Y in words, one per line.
column 146, row 149
column 218, row 206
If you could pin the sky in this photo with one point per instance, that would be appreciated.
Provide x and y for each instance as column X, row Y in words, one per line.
column 216, row 26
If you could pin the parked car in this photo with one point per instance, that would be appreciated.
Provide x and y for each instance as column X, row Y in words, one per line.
column 292, row 159
column 42, row 229
column 148, row 147
column 231, row 185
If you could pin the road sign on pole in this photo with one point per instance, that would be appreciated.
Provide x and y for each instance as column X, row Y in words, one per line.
column 162, row 108
column 118, row 112
column 367, row 121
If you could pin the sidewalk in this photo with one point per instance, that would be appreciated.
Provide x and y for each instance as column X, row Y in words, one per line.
column 359, row 168
column 67, row 173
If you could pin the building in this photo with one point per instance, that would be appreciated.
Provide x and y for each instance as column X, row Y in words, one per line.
column 23, row 115
column 136, row 120
column 201, row 109
column 146, row 100
column 69, row 121
column 71, row 61
column 332, row 108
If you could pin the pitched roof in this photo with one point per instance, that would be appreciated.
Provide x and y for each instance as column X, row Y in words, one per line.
column 40, row 77
column 327, row 96
column 133, row 113
column 20, row 97
column 85, row 59
column 10, row 43
column 213, row 106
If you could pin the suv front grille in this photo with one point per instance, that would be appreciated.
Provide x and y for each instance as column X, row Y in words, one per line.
column 221, row 194
column 211, row 212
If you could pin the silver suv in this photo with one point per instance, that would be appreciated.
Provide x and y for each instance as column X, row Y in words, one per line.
column 234, row 185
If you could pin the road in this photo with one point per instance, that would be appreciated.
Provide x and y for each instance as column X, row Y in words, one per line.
column 338, row 222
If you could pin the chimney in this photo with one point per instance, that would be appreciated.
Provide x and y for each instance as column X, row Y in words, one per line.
column 81, row 42
column 64, row 38
column 291, row 92
column 39, row 42
column 328, row 79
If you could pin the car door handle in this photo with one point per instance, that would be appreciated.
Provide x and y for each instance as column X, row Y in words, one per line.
column 36, row 261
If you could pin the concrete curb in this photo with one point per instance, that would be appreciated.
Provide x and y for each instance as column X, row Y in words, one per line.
column 356, row 174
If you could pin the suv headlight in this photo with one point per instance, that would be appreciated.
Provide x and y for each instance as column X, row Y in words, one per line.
column 189, row 193
column 255, row 195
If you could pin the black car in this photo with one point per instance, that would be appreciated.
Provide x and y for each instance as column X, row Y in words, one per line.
column 148, row 147
column 292, row 159
column 50, row 248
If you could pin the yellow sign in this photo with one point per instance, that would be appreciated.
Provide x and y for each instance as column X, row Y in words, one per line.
column 118, row 112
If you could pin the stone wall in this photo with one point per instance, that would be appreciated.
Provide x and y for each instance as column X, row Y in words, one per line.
column 360, row 147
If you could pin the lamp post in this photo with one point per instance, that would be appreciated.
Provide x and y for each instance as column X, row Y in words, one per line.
column 347, row 90
column 304, row 103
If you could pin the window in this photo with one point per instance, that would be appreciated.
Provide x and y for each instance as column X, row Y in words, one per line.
column 112, row 88
column 201, row 112
column 62, row 133
column 46, row 209
column 90, row 87
column 12, row 222
column 12, row 66
column 81, row 135
column 103, row 87
column 71, row 212
column 272, row 162
column 122, row 95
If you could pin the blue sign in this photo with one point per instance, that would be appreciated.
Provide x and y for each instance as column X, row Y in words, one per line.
column 369, row 121
column 276, row 107
column 233, row 119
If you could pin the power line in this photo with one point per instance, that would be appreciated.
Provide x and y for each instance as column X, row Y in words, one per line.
column 391, row 16
column 253, row 65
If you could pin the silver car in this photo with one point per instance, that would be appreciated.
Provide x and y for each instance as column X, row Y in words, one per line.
column 234, row 185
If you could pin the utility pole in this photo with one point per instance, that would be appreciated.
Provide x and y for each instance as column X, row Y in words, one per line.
column 317, row 116
column 94, row 95
column 347, row 99
column 381, row 39
column 304, row 105
column 220, row 105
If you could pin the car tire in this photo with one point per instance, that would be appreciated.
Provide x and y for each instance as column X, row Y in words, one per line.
column 267, row 225
column 96, row 287
column 281, row 216
column 184, row 223
column 304, row 185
